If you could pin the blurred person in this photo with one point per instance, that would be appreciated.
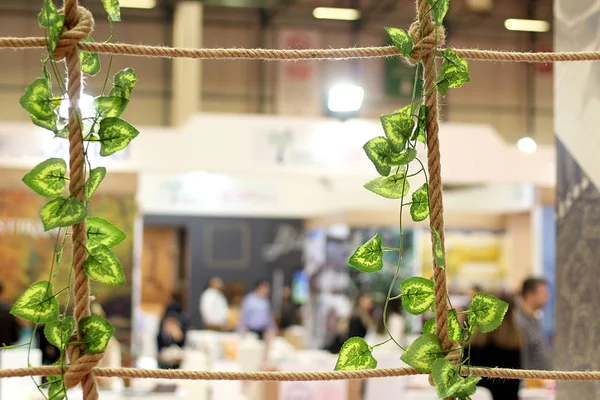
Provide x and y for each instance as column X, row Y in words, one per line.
column 337, row 332
column 500, row 348
column 214, row 307
column 233, row 315
column 536, row 352
column 289, row 310
column 256, row 315
column 172, row 333
column 9, row 327
column 361, row 319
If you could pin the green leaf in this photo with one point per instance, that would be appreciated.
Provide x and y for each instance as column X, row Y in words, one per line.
column 402, row 158
column 369, row 256
column 378, row 150
column 90, row 61
column 486, row 312
column 113, row 9
column 454, row 329
column 355, row 354
column 109, row 106
column 48, row 178
column 420, row 134
column 401, row 40
column 50, row 123
column 100, row 231
column 61, row 212
column 423, row 352
column 449, row 383
column 438, row 252
column 96, row 176
column 429, row 326
column 115, row 134
column 95, row 332
column 103, row 266
column 37, row 304
column 56, row 388
column 59, row 332
column 52, row 22
column 439, row 8
column 38, row 101
column 419, row 208
column 124, row 82
column 398, row 127
column 391, row 187
column 417, row 294
column 454, row 72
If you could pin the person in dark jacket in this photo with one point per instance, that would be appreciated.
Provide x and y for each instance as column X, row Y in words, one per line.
column 172, row 330
column 9, row 327
column 500, row 348
column 362, row 318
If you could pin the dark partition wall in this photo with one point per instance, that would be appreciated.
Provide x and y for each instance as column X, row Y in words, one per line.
column 238, row 250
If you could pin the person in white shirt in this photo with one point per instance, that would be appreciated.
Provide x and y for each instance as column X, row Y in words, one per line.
column 214, row 308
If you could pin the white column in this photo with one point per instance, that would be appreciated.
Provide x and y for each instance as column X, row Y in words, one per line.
column 187, row 74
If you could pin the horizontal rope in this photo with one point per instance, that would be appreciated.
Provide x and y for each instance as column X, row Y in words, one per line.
column 299, row 376
column 295, row 55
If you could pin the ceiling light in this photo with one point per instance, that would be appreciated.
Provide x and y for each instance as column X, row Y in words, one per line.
column 527, row 25
column 343, row 14
column 345, row 98
column 137, row 3
column 527, row 145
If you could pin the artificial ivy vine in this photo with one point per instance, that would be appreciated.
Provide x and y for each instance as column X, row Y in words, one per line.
column 392, row 155
column 39, row 303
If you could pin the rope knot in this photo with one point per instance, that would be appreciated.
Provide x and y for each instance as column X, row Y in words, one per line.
column 426, row 38
column 81, row 365
column 78, row 25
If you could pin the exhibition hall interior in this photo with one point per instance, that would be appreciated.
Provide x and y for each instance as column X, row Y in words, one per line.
column 242, row 211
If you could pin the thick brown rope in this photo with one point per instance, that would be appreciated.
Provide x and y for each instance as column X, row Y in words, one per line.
column 427, row 37
column 270, row 376
column 294, row 55
column 78, row 25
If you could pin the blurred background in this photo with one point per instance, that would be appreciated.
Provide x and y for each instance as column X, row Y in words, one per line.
column 244, row 191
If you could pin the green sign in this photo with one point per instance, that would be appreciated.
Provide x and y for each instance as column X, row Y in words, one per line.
column 400, row 78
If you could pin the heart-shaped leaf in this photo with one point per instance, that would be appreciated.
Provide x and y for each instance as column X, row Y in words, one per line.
column 95, row 332
column 402, row 158
column 109, row 106
column 124, row 82
column 438, row 251
column 113, row 9
column 486, row 312
column 90, row 61
column 454, row 72
column 391, row 187
column 115, row 134
column 429, row 326
column 61, row 212
column 96, row 176
column 48, row 178
column 56, row 388
column 355, row 354
column 454, row 329
column 59, row 332
column 53, row 22
column 401, row 40
column 37, row 304
column 378, row 150
column 439, row 8
column 100, row 231
column 420, row 134
column 398, row 127
column 417, row 294
column 369, row 256
column 419, row 208
column 103, row 266
column 423, row 352
column 449, row 383
column 38, row 101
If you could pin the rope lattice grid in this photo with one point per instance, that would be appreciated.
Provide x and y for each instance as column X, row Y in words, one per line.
column 428, row 40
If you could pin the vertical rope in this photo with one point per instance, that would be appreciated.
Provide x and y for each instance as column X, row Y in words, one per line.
column 429, row 37
column 78, row 25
